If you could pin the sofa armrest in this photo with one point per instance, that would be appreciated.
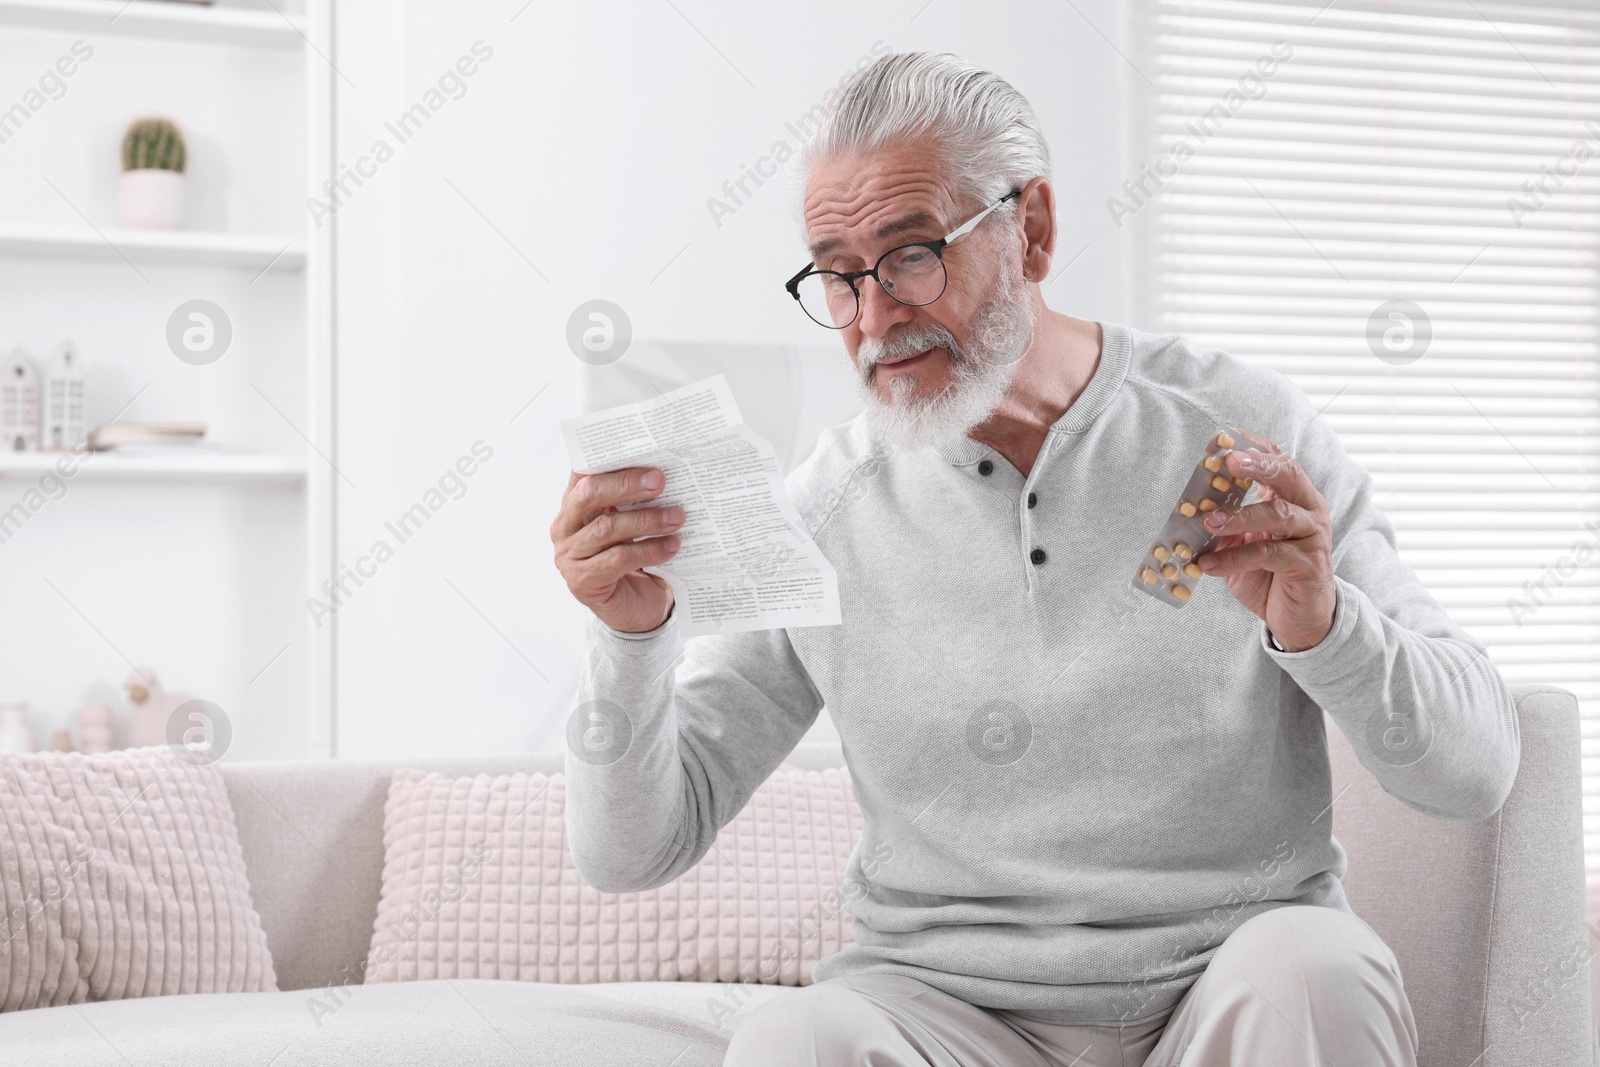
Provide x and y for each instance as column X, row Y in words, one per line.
column 1486, row 918
column 1538, row 999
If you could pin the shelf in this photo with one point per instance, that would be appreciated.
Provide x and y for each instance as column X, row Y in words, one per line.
column 177, row 466
column 158, row 19
column 195, row 247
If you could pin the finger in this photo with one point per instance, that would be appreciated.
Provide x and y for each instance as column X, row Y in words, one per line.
column 1277, row 517
column 1265, row 444
column 1283, row 474
column 1254, row 585
column 1232, row 541
column 615, row 527
column 617, row 562
column 1263, row 555
column 591, row 494
column 1229, row 541
column 558, row 524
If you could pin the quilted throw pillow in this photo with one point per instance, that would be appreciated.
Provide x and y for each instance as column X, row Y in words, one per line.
column 478, row 883
column 121, row 876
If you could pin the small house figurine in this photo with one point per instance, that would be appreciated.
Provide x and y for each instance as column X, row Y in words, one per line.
column 66, row 417
column 19, row 403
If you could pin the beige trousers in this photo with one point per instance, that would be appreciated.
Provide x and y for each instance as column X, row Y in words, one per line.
column 1292, row 987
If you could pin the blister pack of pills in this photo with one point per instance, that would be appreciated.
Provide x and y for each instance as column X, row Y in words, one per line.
column 1169, row 571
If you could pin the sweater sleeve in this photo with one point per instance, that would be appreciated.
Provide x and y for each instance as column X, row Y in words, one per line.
column 664, row 749
column 1422, row 705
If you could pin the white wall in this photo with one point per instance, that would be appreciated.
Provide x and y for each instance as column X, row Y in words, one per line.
column 578, row 165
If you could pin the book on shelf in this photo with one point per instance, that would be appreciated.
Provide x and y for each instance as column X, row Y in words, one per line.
column 144, row 435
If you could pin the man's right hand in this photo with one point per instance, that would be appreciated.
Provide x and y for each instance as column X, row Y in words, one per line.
column 596, row 552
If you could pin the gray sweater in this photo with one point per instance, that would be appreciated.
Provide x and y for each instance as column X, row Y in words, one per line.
column 1071, row 792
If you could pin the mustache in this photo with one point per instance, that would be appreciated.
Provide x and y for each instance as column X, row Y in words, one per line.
column 908, row 342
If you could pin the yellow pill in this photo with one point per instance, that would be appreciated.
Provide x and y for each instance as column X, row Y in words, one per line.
column 1224, row 441
column 1192, row 570
column 1242, row 483
column 1220, row 484
column 1182, row 551
column 1212, row 463
column 1185, row 509
column 1179, row 592
column 1147, row 576
column 1208, row 505
column 1168, row 571
column 1160, row 552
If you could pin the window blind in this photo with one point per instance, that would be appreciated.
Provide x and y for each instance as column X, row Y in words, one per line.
column 1402, row 216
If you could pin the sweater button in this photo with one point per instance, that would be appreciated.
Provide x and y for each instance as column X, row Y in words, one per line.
column 985, row 468
column 1033, row 498
column 1037, row 555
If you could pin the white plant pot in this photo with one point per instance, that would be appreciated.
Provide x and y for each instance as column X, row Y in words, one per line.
column 151, row 199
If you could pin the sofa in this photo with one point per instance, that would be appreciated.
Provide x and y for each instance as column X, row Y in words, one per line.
column 1486, row 918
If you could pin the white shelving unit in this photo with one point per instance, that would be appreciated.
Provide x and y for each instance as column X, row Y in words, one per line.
column 249, row 251
column 198, row 465
column 118, row 29
column 156, row 18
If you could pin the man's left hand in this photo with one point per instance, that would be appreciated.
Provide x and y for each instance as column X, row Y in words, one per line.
column 1277, row 553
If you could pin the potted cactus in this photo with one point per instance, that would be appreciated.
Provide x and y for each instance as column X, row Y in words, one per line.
column 151, row 192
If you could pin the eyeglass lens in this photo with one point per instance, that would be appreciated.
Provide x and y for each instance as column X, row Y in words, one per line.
column 913, row 275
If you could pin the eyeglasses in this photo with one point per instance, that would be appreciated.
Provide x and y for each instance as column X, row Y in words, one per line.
column 914, row 274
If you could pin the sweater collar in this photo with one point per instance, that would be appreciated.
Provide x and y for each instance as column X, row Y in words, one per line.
column 1116, row 350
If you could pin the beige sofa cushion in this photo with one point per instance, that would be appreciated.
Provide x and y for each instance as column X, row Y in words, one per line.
column 121, row 876
column 478, row 883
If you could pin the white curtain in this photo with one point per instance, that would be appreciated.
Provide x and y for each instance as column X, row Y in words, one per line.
column 1397, row 205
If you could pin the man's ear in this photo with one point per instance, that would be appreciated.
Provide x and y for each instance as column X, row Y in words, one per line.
column 1036, row 211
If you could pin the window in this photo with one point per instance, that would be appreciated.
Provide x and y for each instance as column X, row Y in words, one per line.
column 1396, row 204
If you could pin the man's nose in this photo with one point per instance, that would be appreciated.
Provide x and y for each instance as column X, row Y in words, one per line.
column 879, row 310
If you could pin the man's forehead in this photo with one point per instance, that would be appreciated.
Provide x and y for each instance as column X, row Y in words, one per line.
column 870, row 202
column 895, row 223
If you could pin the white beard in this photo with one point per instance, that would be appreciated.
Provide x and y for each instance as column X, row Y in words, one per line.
column 997, row 337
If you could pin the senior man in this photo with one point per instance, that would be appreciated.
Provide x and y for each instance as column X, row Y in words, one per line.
column 1107, row 821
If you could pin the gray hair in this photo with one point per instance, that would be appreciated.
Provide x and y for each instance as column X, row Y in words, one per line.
column 989, row 139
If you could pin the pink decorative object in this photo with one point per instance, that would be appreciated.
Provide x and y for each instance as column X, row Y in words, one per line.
column 152, row 707
column 478, row 883
column 97, row 729
column 122, row 878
